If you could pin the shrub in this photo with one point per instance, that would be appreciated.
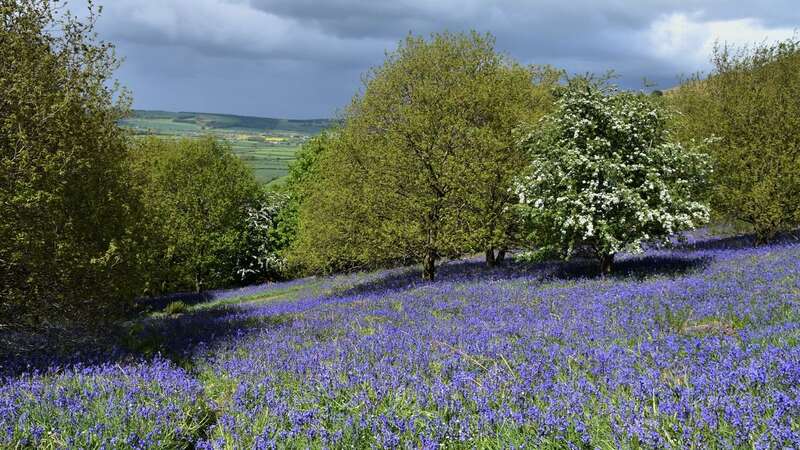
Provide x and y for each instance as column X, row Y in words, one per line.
column 177, row 307
column 296, row 187
column 606, row 175
column 262, row 256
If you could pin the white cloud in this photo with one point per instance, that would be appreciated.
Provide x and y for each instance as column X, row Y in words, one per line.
column 689, row 41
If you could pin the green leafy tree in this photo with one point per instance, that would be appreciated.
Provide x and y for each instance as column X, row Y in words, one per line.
column 64, row 204
column 422, row 166
column 295, row 187
column 606, row 175
column 518, row 98
column 204, row 209
column 749, row 102
column 337, row 228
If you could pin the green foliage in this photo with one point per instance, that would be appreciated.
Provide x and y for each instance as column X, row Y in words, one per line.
column 606, row 176
column 64, row 203
column 262, row 256
column 198, row 198
column 296, row 187
column 749, row 102
column 332, row 224
column 422, row 165
column 538, row 255
column 518, row 97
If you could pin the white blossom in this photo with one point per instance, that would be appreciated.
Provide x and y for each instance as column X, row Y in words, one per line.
column 605, row 173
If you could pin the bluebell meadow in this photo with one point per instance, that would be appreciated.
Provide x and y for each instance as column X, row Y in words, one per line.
column 696, row 347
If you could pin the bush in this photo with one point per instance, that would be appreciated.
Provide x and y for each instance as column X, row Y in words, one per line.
column 294, row 190
column 64, row 203
column 265, row 239
column 174, row 308
column 749, row 102
column 204, row 209
column 606, row 175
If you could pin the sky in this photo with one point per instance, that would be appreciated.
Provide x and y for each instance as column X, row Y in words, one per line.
column 305, row 58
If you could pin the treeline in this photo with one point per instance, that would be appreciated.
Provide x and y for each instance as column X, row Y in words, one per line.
column 451, row 148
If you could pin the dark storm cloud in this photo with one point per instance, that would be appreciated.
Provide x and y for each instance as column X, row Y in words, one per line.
column 303, row 58
column 369, row 18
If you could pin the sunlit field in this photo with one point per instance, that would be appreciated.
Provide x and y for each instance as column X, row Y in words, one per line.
column 267, row 146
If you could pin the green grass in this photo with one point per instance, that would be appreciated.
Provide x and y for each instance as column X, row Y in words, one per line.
column 176, row 308
column 267, row 145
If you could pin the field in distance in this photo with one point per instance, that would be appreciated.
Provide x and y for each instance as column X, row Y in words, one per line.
column 267, row 145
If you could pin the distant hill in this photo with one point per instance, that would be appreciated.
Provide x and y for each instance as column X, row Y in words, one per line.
column 267, row 145
column 211, row 121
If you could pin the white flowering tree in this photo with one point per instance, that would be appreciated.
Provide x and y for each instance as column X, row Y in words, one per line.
column 606, row 177
column 262, row 257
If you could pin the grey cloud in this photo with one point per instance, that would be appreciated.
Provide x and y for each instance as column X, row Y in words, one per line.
column 223, row 29
column 303, row 58
column 177, row 79
column 362, row 18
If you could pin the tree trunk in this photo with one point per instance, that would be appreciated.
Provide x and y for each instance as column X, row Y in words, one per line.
column 764, row 236
column 198, row 284
column 501, row 256
column 490, row 259
column 429, row 266
column 606, row 263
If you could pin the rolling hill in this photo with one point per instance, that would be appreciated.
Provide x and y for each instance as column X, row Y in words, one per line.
column 266, row 144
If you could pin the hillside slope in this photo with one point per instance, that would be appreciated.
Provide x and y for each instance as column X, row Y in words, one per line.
column 697, row 347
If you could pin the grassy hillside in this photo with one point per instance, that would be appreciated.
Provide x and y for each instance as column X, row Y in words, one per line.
column 266, row 144
column 697, row 347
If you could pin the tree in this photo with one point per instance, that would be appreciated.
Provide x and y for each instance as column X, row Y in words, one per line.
column 296, row 185
column 201, row 202
column 606, row 176
column 64, row 203
column 422, row 166
column 337, row 226
column 518, row 99
column 749, row 102
column 261, row 257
